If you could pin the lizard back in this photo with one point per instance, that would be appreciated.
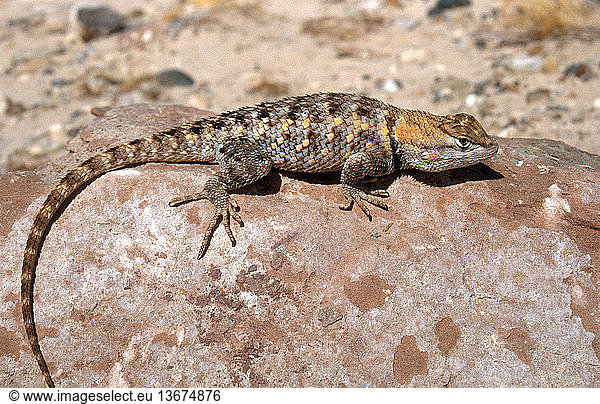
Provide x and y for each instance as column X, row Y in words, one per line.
column 308, row 133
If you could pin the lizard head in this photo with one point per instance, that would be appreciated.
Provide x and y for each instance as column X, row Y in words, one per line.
column 436, row 143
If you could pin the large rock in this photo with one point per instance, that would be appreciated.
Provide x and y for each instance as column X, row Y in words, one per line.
column 484, row 276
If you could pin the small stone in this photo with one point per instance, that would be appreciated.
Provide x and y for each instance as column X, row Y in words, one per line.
column 443, row 5
column 413, row 56
column 540, row 94
column 580, row 70
column 94, row 86
column 597, row 103
column 269, row 88
column 526, row 63
column 9, row 107
column 58, row 83
column 443, row 94
column 577, row 117
column 371, row 5
column 479, row 88
column 471, row 100
column 389, row 85
column 406, row 24
column 173, row 78
column 558, row 108
column 557, row 111
column 94, row 19
column 481, row 43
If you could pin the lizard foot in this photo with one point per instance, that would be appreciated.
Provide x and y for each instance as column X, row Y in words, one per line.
column 225, row 208
column 355, row 195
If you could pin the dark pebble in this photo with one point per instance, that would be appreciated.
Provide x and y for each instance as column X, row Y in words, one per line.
column 581, row 70
column 97, row 19
column 443, row 5
column 59, row 83
column 173, row 78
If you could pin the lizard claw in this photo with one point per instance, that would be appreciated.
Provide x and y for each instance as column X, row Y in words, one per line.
column 225, row 209
column 355, row 195
column 187, row 198
column 382, row 193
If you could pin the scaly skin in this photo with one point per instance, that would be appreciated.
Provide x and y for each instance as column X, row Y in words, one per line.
column 356, row 135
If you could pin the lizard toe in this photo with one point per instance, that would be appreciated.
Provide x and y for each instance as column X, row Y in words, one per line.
column 355, row 195
column 187, row 198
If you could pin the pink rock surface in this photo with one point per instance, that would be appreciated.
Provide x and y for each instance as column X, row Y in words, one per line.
column 485, row 276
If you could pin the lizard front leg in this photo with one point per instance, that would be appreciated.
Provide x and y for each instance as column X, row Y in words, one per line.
column 355, row 169
column 241, row 162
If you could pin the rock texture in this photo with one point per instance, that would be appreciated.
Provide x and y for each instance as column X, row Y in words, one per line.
column 484, row 276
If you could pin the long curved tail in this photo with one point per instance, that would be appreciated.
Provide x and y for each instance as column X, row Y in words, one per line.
column 177, row 145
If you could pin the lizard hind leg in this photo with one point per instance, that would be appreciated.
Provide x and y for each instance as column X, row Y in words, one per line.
column 241, row 162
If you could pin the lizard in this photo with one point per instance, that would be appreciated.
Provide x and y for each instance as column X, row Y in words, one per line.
column 323, row 132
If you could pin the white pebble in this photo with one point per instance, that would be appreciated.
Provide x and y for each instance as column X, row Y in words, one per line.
column 471, row 100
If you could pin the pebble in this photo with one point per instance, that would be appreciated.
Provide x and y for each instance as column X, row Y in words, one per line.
column 9, row 107
column 580, row 70
column 389, row 85
column 480, row 87
column 526, row 63
column 413, row 55
column 93, row 86
column 443, row 5
column 95, row 19
column 456, row 83
column 558, row 108
column 540, row 94
column 406, row 24
column 471, row 100
column 371, row 5
column 59, row 82
column 174, row 78
column 557, row 111
column 443, row 94
column 597, row 103
column 577, row 116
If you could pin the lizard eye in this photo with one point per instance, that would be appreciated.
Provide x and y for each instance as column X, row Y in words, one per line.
column 463, row 143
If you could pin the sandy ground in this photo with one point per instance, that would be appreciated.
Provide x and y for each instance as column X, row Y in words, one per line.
column 477, row 59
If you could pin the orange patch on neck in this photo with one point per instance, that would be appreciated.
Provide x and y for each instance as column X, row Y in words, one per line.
column 408, row 133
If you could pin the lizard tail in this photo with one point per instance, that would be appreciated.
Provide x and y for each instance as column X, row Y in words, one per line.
column 175, row 145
